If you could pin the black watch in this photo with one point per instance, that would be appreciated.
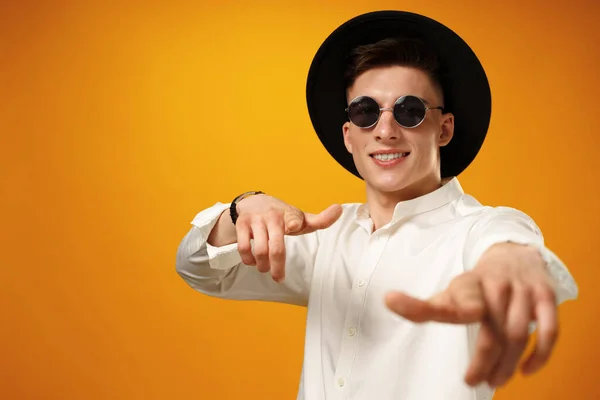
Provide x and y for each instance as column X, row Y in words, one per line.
column 233, row 208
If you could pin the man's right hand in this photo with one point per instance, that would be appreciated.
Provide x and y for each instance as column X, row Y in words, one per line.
column 267, row 220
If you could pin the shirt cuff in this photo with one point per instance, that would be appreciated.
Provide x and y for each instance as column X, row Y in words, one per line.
column 223, row 257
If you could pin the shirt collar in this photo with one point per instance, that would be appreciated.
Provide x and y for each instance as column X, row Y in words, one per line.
column 450, row 190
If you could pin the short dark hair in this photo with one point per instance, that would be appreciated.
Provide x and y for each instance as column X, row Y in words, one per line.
column 403, row 51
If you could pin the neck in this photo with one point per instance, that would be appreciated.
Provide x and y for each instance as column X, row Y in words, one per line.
column 381, row 205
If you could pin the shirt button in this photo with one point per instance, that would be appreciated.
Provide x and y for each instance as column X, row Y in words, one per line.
column 361, row 283
column 351, row 331
column 341, row 382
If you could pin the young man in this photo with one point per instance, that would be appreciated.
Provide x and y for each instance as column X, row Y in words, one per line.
column 422, row 292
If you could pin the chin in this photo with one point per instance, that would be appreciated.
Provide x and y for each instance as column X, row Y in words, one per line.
column 389, row 182
column 391, row 187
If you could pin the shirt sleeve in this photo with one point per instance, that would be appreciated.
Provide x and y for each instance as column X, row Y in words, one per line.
column 504, row 224
column 220, row 272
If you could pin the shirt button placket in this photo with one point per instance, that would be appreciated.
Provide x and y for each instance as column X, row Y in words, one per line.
column 349, row 344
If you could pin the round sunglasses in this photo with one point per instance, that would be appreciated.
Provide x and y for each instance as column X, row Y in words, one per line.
column 409, row 111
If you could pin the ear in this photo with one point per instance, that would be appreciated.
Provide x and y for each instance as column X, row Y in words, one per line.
column 447, row 131
column 346, row 131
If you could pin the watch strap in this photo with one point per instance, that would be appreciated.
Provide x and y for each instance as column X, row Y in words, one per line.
column 233, row 208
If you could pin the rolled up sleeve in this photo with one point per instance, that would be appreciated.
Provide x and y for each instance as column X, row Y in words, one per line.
column 220, row 272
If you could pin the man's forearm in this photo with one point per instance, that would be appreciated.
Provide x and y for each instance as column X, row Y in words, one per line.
column 224, row 231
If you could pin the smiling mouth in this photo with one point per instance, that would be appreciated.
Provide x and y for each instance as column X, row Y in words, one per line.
column 389, row 157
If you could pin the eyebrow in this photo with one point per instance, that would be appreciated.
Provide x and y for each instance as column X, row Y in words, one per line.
column 425, row 101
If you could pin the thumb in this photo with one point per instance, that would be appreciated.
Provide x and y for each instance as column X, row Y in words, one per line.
column 299, row 223
column 294, row 220
column 324, row 219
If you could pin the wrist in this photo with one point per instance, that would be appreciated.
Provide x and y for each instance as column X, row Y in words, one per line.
column 233, row 211
column 513, row 253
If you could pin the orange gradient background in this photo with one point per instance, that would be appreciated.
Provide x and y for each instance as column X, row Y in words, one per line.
column 119, row 122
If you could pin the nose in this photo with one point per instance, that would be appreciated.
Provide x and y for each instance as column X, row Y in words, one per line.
column 386, row 128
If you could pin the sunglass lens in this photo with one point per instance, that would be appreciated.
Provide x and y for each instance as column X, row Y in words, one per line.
column 409, row 111
column 363, row 112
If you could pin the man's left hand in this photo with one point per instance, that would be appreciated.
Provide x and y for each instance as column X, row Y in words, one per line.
column 508, row 288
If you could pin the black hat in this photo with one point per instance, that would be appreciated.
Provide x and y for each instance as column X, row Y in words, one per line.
column 466, row 88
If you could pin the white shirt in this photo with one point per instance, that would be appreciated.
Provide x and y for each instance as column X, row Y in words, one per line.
column 356, row 348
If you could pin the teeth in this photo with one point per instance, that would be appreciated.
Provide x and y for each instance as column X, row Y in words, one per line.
column 388, row 157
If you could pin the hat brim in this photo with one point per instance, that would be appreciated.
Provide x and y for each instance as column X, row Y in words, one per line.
column 466, row 88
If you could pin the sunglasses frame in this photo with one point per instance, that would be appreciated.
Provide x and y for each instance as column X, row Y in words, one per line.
column 382, row 109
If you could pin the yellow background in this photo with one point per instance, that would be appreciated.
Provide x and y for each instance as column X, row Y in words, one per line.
column 119, row 122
